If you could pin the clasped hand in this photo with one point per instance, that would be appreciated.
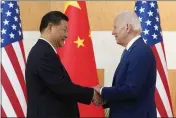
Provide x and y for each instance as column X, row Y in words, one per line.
column 97, row 100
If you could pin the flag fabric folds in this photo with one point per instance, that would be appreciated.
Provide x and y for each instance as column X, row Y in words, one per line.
column 149, row 17
column 77, row 54
column 13, row 85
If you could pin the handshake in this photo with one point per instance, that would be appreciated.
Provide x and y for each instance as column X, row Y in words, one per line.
column 97, row 100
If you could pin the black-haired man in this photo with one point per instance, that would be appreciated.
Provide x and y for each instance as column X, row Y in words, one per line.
column 50, row 91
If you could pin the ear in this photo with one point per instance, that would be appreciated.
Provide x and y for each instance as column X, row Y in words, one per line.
column 49, row 28
column 129, row 27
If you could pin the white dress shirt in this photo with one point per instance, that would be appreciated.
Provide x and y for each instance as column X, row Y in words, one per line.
column 127, row 47
column 132, row 41
column 49, row 44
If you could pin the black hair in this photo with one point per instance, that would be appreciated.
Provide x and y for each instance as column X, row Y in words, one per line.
column 53, row 17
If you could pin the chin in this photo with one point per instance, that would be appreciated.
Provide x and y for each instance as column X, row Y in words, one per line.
column 117, row 42
column 61, row 45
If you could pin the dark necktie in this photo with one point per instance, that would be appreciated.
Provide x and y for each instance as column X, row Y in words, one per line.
column 123, row 54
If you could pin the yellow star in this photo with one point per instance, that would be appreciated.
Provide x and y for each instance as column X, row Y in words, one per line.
column 72, row 3
column 79, row 42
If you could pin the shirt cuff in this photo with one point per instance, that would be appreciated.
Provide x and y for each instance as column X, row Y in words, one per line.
column 101, row 90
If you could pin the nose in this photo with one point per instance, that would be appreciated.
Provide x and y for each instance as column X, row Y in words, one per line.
column 113, row 33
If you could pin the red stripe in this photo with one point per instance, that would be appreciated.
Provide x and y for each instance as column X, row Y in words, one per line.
column 13, row 58
column 159, row 105
column 22, row 50
column 162, row 74
column 162, row 45
column 3, row 115
column 11, row 94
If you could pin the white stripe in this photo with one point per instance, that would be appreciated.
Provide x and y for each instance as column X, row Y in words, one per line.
column 6, row 105
column 19, row 55
column 158, row 114
column 13, row 79
column 163, row 61
column 163, row 95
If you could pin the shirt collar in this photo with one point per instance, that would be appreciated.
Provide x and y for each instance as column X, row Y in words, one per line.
column 132, row 41
column 49, row 44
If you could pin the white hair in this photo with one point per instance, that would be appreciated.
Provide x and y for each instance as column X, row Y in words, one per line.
column 129, row 17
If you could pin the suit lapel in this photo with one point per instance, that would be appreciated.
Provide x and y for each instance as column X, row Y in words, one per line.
column 125, row 58
column 120, row 65
column 63, row 68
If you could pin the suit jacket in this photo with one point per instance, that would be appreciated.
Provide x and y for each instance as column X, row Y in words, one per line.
column 133, row 87
column 50, row 91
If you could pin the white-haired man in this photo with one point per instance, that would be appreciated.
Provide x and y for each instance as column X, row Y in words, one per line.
column 132, row 91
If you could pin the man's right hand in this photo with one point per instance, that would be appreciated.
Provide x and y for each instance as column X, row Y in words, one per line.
column 97, row 100
column 97, row 88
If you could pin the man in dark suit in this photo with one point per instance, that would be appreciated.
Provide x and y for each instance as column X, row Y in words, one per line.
column 50, row 91
column 133, row 87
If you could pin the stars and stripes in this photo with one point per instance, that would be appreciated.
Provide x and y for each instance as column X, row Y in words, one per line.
column 13, row 62
column 148, row 14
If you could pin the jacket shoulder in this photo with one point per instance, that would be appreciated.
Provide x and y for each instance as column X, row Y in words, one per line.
column 142, row 50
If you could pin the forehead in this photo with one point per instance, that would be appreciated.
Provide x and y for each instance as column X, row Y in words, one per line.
column 63, row 23
column 116, row 21
column 119, row 22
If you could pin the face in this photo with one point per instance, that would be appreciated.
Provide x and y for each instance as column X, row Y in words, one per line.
column 120, row 32
column 59, row 33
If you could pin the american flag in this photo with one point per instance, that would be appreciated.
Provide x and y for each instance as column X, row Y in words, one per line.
column 148, row 14
column 13, row 84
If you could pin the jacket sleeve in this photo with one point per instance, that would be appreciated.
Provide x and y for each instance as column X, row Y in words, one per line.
column 106, row 105
column 136, row 78
column 51, row 73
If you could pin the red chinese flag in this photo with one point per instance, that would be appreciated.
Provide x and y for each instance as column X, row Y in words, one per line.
column 77, row 54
